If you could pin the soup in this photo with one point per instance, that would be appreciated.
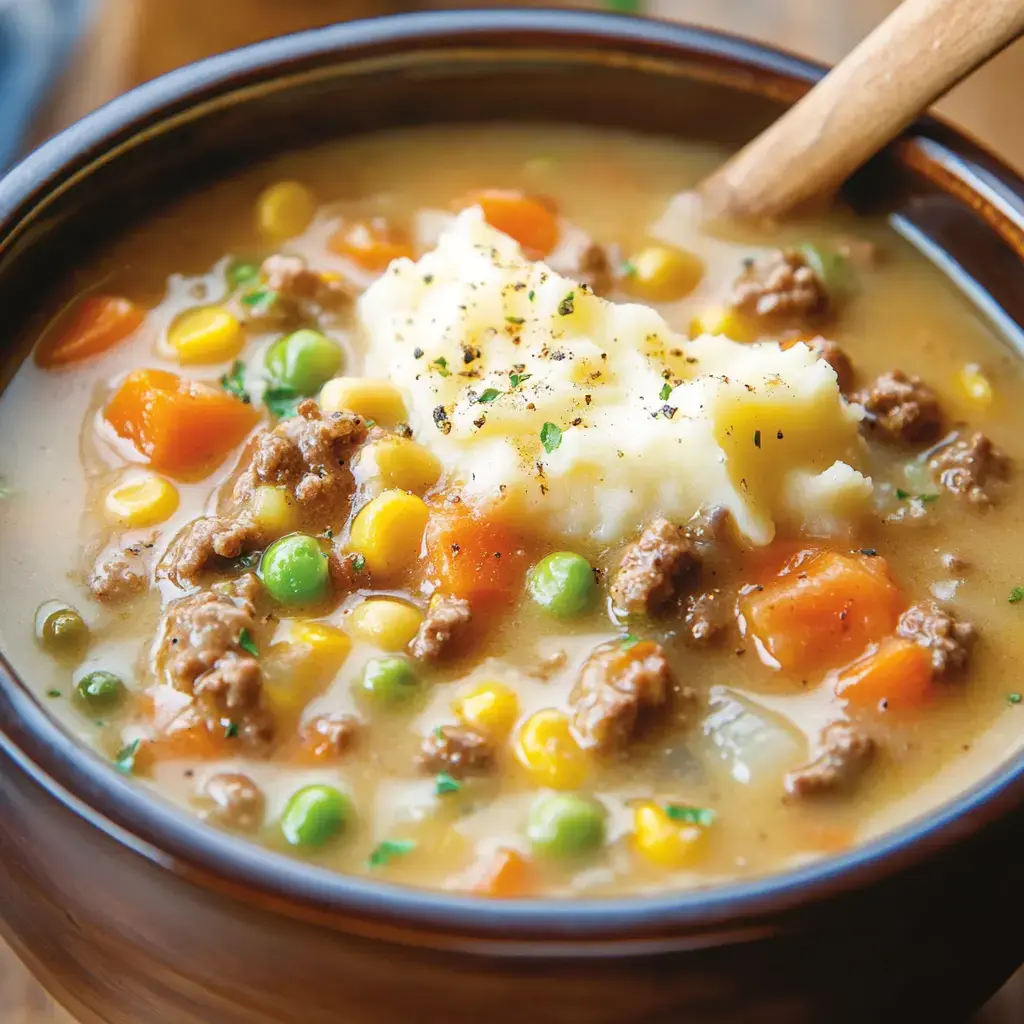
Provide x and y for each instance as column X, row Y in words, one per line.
column 450, row 507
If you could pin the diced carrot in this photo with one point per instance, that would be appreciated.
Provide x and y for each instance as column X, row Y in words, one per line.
column 823, row 609
column 475, row 557
column 828, row 838
column 96, row 324
column 181, row 426
column 896, row 671
column 527, row 219
column 192, row 741
column 508, row 875
column 372, row 244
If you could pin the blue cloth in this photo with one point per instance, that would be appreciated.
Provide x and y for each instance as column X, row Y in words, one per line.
column 36, row 38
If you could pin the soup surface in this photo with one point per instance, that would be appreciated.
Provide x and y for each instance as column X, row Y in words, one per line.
column 448, row 506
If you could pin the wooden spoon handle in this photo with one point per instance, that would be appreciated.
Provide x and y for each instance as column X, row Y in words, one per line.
column 919, row 52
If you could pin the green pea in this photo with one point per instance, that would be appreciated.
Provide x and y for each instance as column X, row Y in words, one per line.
column 295, row 569
column 63, row 633
column 564, row 825
column 390, row 680
column 242, row 273
column 100, row 690
column 315, row 814
column 303, row 361
column 832, row 269
column 563, row 584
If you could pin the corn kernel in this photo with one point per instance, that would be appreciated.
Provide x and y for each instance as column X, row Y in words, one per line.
column 720, row 320
column 322, row 639
column 206, row 335
column 273, row 511
column 388, row 532
column 377, row 400
column 285, row 210
column 399, row 462
column 296, row 670
column 976, row 384
column 545, row 747
column 490, row 707
column 143, row 501
column 665, row 842
column 385, row 622
column 662, row 273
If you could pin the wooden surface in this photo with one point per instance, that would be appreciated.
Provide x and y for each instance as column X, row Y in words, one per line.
column 133, row 40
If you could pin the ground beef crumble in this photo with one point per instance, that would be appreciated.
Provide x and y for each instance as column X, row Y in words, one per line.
column 779, row 287
column 293, row 281
column 707, row 615
column 654, row 568
column 202, row 543
column 901, row 409
column 587, row 262
column 120, row 575
column 948, row 640
column 330, row 736
column 969, row 467
column 446, row 620
column 235, row 801
column 457, row 750
column 844, row 755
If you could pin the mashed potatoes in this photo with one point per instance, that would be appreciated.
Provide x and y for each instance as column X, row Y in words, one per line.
column 594, row 415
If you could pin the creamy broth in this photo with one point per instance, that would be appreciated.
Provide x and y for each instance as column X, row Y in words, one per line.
column 61, row 460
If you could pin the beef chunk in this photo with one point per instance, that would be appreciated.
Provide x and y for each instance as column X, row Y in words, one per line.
column 457, row 750
column 310, row 455
column 446, row 619
column 779, row 287
column 654, row 568
column 707, row 615
column 835, row 356
column 235, row 801
column 300, row 288
column 616, row 690
column 948, row 640
column 844, row 754
column 901, row 409
column 329, row 736
column 586, row 261
column 348, row 571
column 970, row 467
column 120, row 575
column 199, row 651
column 205, row 542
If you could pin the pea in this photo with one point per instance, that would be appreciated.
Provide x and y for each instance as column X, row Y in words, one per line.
column 563, row 584
column 304, row 361
column 832, row 269
column 63, row 633
column 315, row 814
column 389, row 680
column 295, row 570
column 565, row 825
column 100, row 690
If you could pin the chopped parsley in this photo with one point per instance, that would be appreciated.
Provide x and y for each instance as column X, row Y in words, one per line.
column 247, row 561
column 628, row 642
column 124, row 762
column 444, row 783
column 54, row 693
column 628, row 269
column 515, row 319
column 1014, row 698
column 1016, row 595
column 390, row 849
column 358, row 563
column 441, row 365
column 567, row 305
column 685, row 815
column 666, row 390
column 233, row 382
column 246, row 642
column 757, row 438
column 905, row 495
column 263, row 297
column 530, row 294
column 230, row 730
column 242, row 273
column 515, row 379
column 282, row 402
column 550, row 437
column 489, row 395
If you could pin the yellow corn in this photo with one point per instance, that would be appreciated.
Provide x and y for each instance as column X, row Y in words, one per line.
column 377, row 400
column 388, row 532
column 285, row 210
column 384, row 622
column 719, row 320
column 545, row 747
column 490, row 707
column 976, row 384
column 273, row 511
column 662, row 273
column 143, row 501
column 206, row 335
column 399, row 462
column 665, row 842
column 297, row 669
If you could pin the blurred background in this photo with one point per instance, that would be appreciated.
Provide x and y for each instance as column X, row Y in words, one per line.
column 59, row 59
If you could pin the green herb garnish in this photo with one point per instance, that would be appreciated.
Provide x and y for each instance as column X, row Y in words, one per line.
column 628, row 269
column 1016, row 595
column 702, row 816
column 530, row 294
column 124, row 762
column 233, row 382
column 567, row 305
column 628, row 642
column 246, row 642
column 6, row 491
column 390, row 849
column 550, row 437
column 757, row 438
column 282, row 402
column 247, row 561
column 666, row 390
column 441, row 365
column 54, row 693
column 230, row 730
column 515, row 320
column 515, row 379
column 488, row 396
column 904, row 495
column 263, row 297
column 358, row 563
column 1013, row 698
column 444, row 783
column 242, row 273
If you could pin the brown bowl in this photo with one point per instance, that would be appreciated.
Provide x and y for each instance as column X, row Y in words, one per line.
column 129, row 910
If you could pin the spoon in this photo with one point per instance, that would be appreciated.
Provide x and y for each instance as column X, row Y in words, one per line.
column 911, row 59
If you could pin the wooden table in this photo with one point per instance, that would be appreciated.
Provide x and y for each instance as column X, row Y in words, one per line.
column 134, row 40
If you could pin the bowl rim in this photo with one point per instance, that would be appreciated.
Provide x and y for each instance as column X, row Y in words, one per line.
column 172, row 839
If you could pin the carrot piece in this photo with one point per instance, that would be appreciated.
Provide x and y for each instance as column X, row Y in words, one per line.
column 97, row 323
column 475, row 557
column 896, row 671
column 823, row 609
column 372, row 244
column 508, row 875
column 525, row 218
column 192, row 741
column 181, row 426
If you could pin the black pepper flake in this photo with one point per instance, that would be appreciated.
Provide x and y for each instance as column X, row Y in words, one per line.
column 757, row 438
column 588, row 399
column 479, row 422
column 441, row 420
column 455, row 549
column 428, row 278
column 576, row 422
column 557, row 356
column 778, row 436
column 469, row 353
column 668, row 411
column 870, row 552
column 567, row 305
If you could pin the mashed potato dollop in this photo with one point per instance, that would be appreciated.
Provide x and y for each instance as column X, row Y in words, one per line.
column 594, row 415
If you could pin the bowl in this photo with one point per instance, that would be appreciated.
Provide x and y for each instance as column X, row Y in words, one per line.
column 130, row 910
